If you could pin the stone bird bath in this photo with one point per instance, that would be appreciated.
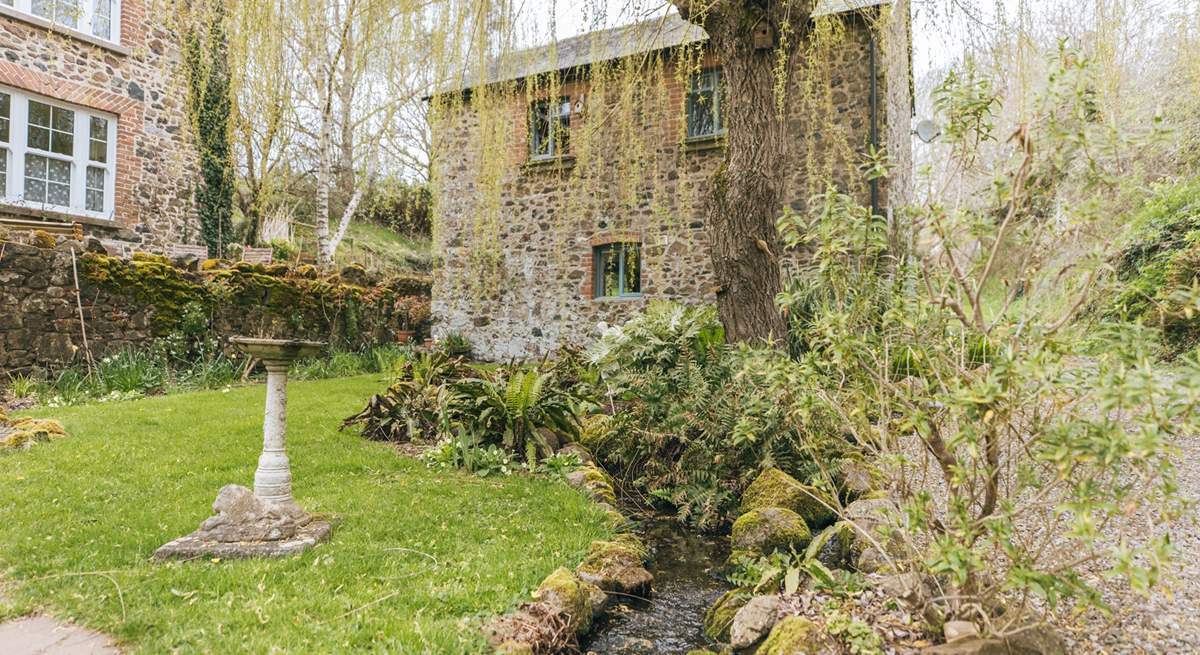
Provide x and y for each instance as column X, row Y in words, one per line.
column 266, row 522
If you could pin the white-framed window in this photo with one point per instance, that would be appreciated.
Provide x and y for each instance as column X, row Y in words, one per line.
column 99, row 18
column 55, row 156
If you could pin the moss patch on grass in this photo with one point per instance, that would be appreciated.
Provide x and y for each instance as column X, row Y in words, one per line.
column 416, row 555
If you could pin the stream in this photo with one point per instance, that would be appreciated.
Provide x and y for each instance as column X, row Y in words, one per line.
column 685, row 585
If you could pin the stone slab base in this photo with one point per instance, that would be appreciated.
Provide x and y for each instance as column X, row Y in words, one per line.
column 192, row 547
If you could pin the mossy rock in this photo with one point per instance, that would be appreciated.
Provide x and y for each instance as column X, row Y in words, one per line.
column 774, row 488
column 514, row 648
column 150, row 257
column 857, row 478
column 835, row 547
column 595, row 482
column 617, row 566
column 27, row 432
column 764, row 531
column 719, row 618
column 570, row 596
column 794, row 635
column 42, row 239
column 210, row 264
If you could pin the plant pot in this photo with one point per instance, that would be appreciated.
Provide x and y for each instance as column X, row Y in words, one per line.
column 404, row 336
column 428, row 343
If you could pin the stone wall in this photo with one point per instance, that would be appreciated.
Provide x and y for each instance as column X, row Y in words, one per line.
column 140, row 81
column 514, row 240
column 132, row 303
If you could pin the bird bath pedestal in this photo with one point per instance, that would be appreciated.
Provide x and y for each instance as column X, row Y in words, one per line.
column 265, row 522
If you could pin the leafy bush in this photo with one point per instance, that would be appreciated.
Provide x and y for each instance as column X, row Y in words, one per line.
column 1019, row 452
column 697, row 420
column 1163, row 257
column 402, row 206
column 284, row 251
column 456, row 345
column 514, row 407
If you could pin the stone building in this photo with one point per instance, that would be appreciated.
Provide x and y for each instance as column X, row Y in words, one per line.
column 93, row 120
column 570, row 179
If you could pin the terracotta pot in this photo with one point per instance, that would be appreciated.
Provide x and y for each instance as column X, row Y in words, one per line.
column 404, row 336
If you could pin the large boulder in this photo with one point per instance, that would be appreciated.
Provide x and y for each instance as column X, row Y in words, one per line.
column 834, row 547
column 719, row 618
column 766, row 530
column 572, row 598
column 617, row 566
column 754, row 621
column 876, row 517
column 794, row 635
column 1038, row 640
column 774, row 488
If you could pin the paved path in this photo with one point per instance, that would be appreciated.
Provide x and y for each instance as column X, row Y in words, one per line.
column 42, row 635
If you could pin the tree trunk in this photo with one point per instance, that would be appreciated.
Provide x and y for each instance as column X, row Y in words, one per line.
column 746, row 193
column 324, row 182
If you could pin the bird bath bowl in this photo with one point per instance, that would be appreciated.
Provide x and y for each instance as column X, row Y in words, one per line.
column 266, row 522
column 283, row 351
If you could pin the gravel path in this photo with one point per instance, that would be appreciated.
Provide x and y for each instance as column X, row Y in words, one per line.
column 1168, row 621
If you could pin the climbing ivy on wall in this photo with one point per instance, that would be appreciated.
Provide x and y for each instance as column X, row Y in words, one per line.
column 207, row 60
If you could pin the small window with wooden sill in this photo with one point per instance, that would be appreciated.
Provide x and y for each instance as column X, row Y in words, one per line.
column 617, row 270
column 549, row 128
column 704, row 119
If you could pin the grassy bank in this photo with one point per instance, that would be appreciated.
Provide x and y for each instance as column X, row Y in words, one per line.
column 415, row 555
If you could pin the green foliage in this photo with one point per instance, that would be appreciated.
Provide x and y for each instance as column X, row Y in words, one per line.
column 283, row 250
column 1162, row 258
column 211, row 111
column 455, row 345
column 699, row 419
column 1036, row 432
column 514, row 407
column 416, row 406
column 402, row 206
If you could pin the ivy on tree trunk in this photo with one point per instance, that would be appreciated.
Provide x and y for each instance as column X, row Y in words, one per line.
column 208, row 75
column 752, row 39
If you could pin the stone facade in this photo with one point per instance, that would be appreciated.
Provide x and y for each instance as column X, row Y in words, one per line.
column 515, row 240
column 139, row 81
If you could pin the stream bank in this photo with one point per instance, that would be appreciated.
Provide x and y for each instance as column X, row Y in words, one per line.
column 686, row 569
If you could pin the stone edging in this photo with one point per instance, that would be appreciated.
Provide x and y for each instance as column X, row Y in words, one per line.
column 567, row 604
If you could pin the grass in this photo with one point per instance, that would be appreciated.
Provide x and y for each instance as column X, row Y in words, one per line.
column 376, row 247
column 416, row 555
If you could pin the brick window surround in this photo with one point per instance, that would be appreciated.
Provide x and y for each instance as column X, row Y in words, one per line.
column 589, row 263
column 129, row 112
column 129, row 126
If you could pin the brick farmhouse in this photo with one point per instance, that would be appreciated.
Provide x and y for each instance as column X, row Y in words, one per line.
column 93, row 120
column 568, row 205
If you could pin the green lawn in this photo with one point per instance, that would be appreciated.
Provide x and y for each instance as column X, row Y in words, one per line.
column 415, row 555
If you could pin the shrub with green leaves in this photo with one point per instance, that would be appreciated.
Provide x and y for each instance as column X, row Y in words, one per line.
column 515, row 407
column 1023, row 455
column 697, row 420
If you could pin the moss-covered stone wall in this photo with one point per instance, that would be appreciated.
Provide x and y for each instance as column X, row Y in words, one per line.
column 131, row 303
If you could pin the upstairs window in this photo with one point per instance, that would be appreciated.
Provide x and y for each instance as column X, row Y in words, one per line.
column 549, row 128
column 704, row 105
column 56, row 157
column 618, row 270
column 99, row 18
